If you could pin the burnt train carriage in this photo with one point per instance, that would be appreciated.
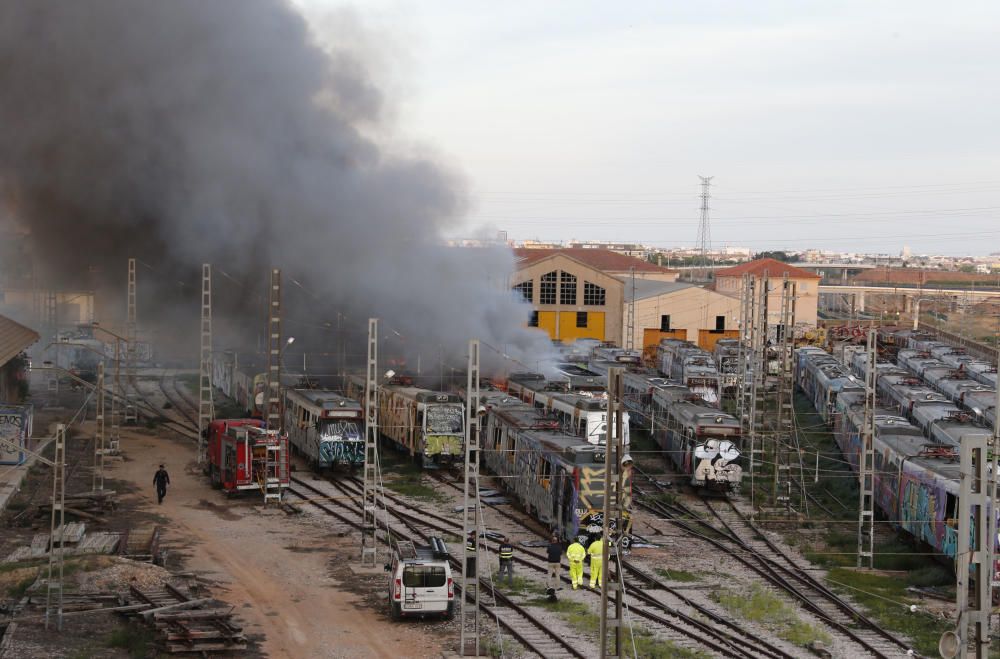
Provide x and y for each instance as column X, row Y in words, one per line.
column 325, row 427
column 582, row 413
column 427, row 425
column 703, row 442
column 555, row 475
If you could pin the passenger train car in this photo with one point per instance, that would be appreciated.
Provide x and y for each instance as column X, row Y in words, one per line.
column 557, row 476
column 689, row 365
column 584, row 414
column 428, row 425
column 727, row 359
column 325, row 427
column 703, row 442
column 916, row 470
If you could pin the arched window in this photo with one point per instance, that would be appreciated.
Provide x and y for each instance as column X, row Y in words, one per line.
column 547, row 288
column 593, row 295
column 526, row 289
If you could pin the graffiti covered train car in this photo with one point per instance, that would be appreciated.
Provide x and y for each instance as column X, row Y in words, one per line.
column 325, row 427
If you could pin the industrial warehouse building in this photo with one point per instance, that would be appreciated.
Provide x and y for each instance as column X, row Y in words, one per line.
column 578, row 292
column 677, row 310
column 729, row 281
column 15, row 338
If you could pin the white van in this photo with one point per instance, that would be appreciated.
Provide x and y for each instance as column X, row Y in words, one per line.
column 420, row 581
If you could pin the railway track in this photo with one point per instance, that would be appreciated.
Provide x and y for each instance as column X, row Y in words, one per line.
column 679, row 618
column 523, row 625
column 737, row 536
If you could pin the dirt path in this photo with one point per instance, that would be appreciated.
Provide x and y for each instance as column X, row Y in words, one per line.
column 274, row 568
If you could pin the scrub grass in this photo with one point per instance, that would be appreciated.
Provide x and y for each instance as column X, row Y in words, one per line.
column 888, row 601
column 582, row 618
column 404, row 477
column 134, row 639
column 762, row 606
column 678, row 575
column 522, row 586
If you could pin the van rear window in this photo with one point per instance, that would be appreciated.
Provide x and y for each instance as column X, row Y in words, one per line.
column 423, row 576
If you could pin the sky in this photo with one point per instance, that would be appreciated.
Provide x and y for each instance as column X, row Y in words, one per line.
column 851, row 126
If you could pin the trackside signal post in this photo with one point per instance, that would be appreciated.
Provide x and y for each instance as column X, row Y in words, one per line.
column 614, row 520
column 471, row 524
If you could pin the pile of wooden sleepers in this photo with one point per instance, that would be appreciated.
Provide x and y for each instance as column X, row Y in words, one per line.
column 185, row 624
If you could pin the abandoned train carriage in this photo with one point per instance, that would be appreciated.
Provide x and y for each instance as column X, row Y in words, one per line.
column 427, row 425
column 325, row 427
column 555, row 475
column 703, row 442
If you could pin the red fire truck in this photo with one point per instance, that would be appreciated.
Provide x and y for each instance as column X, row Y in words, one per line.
column 243, row 455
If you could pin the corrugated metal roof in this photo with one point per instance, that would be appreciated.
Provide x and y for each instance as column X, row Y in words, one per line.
column 14, row 338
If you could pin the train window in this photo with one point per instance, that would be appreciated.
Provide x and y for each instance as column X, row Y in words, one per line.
column 593, row 295
column 497, row 436
column 547, row 288
column 950, row 511
column 544, row 468
column 567, row 289
column 526, row 289
column 512, row 449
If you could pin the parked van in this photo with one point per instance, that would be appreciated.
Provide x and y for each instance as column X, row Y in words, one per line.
column 420, row 581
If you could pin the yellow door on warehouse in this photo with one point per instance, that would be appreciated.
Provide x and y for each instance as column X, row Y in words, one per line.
column 708, row 338
column 575, row 325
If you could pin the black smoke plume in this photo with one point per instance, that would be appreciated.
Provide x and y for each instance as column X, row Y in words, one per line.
column 220, row 131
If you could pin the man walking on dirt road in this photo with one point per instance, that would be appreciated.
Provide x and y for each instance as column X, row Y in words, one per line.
column 161, row 479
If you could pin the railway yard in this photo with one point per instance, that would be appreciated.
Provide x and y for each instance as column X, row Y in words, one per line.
column 705, row 573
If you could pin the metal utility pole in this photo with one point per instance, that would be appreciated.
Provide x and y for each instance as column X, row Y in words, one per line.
column 117, row 394
column 614, row 519
column 866, row 464
column 57, row 528
column 131, row 331
column 744, row 349
column 206, row 406
column 469, row 641
column 369, row 526
column 971, row 553
column 272, row 394
column 98, row 481
column 51, row 328
column 630, row 324
column 786, row 440
column 994, row 490
column 704, row 233
column 758, row 383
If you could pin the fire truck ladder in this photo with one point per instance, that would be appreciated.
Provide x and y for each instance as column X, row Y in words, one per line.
column 275, row 461
column 131, row 330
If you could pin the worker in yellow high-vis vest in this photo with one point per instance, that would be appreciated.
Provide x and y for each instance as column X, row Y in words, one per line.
column 576, row 553
column 596, row 551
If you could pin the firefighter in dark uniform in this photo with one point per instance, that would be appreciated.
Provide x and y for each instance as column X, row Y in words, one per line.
column 470, row 562
column 161, row 479
column 506, row 561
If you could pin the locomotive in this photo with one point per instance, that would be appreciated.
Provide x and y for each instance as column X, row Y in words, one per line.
column 689, row 365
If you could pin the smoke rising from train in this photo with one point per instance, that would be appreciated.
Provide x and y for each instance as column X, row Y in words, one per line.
column 189, row 131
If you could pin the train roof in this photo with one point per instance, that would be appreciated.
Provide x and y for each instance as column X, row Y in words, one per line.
column 423, row 395
column 544, row 431
column 700, row 414
column 326, row 399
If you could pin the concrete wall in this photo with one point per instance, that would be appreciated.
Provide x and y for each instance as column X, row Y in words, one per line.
column 559, row 320
column 806, row 297
column 690, row 309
